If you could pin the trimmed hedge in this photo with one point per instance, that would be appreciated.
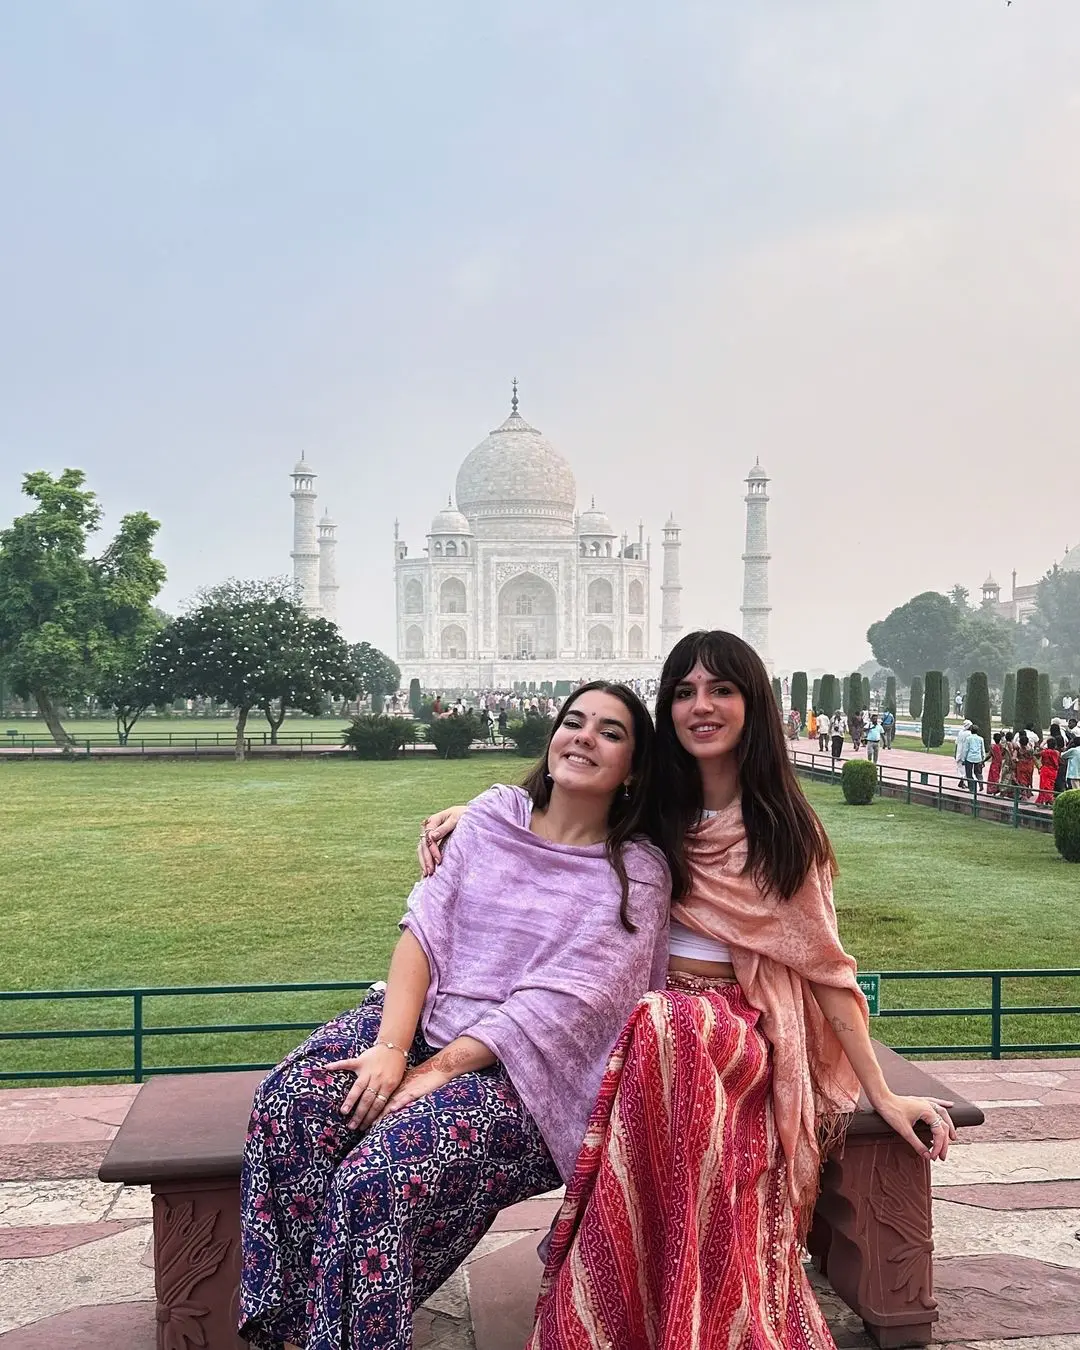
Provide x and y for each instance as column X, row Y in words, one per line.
column 815, row 695
column 830, row 694
column 915, row 698
column 933, row 715
column 1026, row 706
column 452, row 736
column 1008, row 701
column 1045, row 710
column 977, row 704
column 376, row 737
column 858, row 778
column 1067, row 824
column 529, row 736
column 777, row 692
column 853, row 694
column 798, row 694
column 866, row 693
column 890, row 695
column 416, row 698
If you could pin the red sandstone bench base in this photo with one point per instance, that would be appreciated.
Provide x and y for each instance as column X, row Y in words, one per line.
column 872, row 1235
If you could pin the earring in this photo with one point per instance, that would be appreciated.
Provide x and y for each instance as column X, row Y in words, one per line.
column 548, row 780
column 625, row 792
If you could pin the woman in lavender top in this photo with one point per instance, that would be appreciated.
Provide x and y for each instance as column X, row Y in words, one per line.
column 380, row 1151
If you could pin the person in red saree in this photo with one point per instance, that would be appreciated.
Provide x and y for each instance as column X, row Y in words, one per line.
column 1049, row 763
column 997, row 754
column 682, row 1226
column 1025, row 763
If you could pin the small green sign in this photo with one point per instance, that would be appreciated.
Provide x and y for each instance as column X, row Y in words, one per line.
column 871, row 987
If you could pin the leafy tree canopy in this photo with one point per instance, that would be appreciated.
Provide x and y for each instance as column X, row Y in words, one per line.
column 1057, row 620
column 251, row 645
column 916, row 636
column 376, row 673
column 68, row 621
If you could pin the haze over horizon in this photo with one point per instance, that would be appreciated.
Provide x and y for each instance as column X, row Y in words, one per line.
column 839, row 238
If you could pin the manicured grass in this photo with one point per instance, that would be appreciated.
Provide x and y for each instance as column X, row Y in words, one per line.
column 158, row 730
column 151, row 873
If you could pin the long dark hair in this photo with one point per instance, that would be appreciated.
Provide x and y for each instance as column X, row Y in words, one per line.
column 631, row 814
column 783, row 834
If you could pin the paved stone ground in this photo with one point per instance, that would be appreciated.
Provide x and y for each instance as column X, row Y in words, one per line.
column 74, row 1267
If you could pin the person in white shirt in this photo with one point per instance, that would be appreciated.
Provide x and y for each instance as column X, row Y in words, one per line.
column 974, row 755
column 961, row 754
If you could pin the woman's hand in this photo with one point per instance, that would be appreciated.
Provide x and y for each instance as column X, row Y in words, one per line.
column 433, row 831
column 902, row 1113
column 417, row 1083
column 378, row 1071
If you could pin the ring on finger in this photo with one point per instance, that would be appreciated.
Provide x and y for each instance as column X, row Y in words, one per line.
column 380, row 1098
column 367, row 1090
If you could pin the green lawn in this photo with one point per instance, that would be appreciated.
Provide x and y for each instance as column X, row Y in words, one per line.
column 158, row 730
column 149, row 873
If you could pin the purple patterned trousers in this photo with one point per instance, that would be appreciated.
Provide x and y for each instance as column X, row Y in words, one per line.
column 345, row 1234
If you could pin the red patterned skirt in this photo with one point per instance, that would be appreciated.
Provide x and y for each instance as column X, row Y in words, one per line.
column 677, row 1232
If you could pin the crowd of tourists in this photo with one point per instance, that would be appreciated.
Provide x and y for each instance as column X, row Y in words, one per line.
column 623, row 976
column 1023, row 763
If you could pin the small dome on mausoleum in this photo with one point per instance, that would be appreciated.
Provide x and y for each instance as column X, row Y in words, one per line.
column 305, row 467
column 593, row 521
column 450, row 521
column 1071, row 560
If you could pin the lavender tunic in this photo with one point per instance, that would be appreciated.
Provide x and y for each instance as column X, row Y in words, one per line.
column 527, row 955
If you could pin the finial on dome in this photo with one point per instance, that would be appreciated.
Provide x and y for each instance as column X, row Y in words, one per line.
column 514, row 396
column 592, row 503
column 449, row 500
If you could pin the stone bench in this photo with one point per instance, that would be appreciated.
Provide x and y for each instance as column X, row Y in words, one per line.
column 184, row 1137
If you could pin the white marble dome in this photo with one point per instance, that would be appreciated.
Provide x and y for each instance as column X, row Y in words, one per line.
column 1071, row 560
column 516, row 481
column 304, row 468
column 593, row 521
column 449, row 521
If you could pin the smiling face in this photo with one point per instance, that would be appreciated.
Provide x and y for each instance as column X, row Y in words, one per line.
column 708, row 713
column 592, row 748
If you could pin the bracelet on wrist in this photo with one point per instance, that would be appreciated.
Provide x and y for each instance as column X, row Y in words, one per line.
column 391, row 1046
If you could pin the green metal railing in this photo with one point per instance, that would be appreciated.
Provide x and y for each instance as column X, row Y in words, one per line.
column 925, row 787
column 138, row 1030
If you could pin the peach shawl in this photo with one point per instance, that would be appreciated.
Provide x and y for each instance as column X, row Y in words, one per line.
column 777, row 948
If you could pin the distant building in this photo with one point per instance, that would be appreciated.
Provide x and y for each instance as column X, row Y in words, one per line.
column 514, row 584
column 314, row 567
column 1021, row 604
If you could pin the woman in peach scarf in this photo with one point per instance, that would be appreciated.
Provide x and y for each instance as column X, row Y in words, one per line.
column 682, row 1226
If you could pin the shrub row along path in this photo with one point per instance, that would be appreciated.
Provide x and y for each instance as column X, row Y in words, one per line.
column 74, row 1252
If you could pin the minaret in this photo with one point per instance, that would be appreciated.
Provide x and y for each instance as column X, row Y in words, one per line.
column 328, row 586
column 755, row 606
column 670, row 590
column 305, row 554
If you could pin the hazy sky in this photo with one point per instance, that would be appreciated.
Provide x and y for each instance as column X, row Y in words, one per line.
column 841, row 235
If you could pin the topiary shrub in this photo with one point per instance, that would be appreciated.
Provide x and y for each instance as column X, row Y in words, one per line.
column 377, row 737
column 529, row 736
column 798, row 694
column 890, row 695
column 977, row 703
column 853, row 694
column 416, row 698
column 858, row 778
column 815, row 696
column 1026, row 707
column 1008, row 700
column 1067, row 824
column 1045, row 711
column 865, row 693
column 777, row 692
column 829, row 694
column 452, row 736
column 915, row 698
column 933, row 715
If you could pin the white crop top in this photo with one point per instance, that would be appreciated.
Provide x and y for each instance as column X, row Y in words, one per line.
column 696, row 946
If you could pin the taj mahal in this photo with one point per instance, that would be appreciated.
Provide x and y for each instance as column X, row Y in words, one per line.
column 515, row 583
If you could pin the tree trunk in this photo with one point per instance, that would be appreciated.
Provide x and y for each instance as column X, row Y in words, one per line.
column 51, row 714
column 241, row 723
column 275, row 722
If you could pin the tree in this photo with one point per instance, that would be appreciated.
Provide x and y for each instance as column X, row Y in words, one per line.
column 1045, row 709
column 1057, row 619
column 128, row 693
column 933, row 718
column 890, row 695
column 959, row 595
column 377, row 675
column 1026, row 706
column 977, row 703
column 853, row 694
column 916, row 635
column 865, row 693
column 68, row 621
column 1008, row 699
column 830, row 694
column 915, row 697
column 798, row 694
column 982, row 642
column 815, row 696
column 946, row 696
column 250, row 644
column 416, row 698
column 777, row 693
